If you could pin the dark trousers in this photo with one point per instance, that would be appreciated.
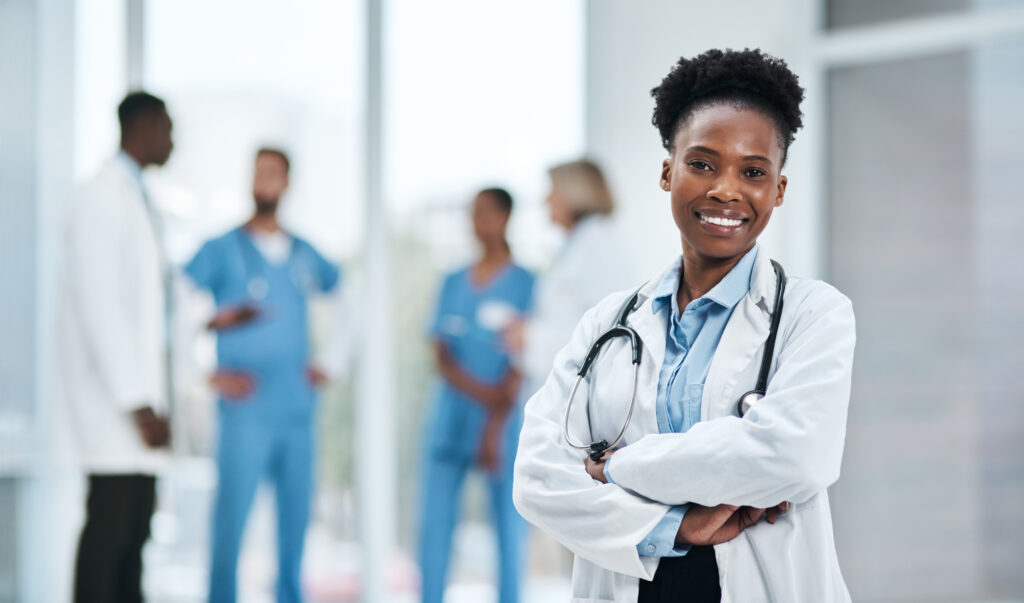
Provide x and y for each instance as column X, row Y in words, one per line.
column 692, row 578
column 109, row 563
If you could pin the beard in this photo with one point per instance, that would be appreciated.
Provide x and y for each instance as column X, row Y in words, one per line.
column 265, row 206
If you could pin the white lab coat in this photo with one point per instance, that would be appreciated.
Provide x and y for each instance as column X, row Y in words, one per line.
column 787, row 448
column 586, row 269
column 110, row 326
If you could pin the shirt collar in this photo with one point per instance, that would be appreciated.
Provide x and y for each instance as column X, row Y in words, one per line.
column 130, row 165
column 727, row 293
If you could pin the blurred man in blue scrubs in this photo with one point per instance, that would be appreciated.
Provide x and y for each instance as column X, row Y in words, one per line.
column 476, row 417
column 261, row 278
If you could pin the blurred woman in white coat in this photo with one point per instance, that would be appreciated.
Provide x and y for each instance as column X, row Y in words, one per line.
column 584, row 271
column 703, row 498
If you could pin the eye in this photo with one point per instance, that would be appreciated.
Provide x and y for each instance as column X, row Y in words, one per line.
column 697, row 164
column 755, row 173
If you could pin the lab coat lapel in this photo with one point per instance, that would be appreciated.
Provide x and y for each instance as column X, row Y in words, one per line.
column 651, row 327
column 744, row 335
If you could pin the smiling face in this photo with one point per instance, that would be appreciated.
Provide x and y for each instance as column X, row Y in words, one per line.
column 724, row 176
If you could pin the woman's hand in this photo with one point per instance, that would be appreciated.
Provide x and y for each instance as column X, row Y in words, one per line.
column 596, row 468
column 489, row 456
column 715, row 525
column 514, row 336
column 703, row 526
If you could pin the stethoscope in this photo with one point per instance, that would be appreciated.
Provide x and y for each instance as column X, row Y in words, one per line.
column 256, row 284
column 620, row 329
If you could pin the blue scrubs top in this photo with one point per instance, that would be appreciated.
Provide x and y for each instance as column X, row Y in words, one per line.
column 274, row 349
column 469, row 321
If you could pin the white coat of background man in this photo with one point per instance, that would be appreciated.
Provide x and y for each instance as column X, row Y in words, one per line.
column 113, row 353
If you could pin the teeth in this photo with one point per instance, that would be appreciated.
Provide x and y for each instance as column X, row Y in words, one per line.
column 720, row 221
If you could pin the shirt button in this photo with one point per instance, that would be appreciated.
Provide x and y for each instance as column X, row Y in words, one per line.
column 650, row 548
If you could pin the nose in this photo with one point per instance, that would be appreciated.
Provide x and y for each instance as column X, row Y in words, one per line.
column 725, row 188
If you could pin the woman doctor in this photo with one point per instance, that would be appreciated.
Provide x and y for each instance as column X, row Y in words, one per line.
column 698, row 503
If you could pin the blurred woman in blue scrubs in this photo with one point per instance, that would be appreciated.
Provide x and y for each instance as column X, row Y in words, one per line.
column 475, row 419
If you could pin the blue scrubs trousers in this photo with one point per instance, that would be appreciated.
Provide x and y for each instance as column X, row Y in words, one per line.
column 249, row 451
column 443, row 477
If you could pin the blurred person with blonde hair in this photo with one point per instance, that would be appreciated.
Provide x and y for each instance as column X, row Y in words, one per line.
column 586, row 268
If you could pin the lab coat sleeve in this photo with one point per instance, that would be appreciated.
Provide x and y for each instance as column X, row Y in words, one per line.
column 600, row 522
column 789, row 445
column 103, row 271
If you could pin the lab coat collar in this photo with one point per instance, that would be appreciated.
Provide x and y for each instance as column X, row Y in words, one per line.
column 652, row 326
column 130, row 167
column 761, row 291
column 726, row 293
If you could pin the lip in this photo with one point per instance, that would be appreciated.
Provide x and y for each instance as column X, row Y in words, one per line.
column 717, row 229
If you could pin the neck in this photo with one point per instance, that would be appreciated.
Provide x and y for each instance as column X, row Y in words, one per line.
column 134, row 152
column 264, row 222
column 700, row 274
column 495, row 253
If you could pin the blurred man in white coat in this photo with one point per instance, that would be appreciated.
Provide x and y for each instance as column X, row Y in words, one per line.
column 112, row 330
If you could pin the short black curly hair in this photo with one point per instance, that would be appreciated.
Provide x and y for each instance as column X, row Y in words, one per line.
column 745, row 78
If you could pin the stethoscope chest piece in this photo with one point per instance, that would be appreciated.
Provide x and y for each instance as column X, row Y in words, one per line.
column 747, row 400
column 257, row 288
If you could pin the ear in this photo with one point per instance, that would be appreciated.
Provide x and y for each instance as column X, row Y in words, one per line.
column 783, row 181
column 666, row 175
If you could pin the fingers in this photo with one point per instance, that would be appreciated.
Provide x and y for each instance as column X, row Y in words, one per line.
column 748, row 516
column 708, row 525
column 595, row 469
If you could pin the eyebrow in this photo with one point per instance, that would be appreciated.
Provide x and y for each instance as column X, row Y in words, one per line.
column 701, row 149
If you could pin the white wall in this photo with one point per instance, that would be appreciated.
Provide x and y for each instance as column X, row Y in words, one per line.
column 631, row 46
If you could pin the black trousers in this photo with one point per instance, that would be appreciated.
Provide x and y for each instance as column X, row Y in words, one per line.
column 692, row 578
column 109, row 563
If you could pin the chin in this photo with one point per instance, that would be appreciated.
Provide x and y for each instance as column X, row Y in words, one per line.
column 719, row 249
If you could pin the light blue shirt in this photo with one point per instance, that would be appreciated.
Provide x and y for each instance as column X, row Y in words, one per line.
column 690, row 344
